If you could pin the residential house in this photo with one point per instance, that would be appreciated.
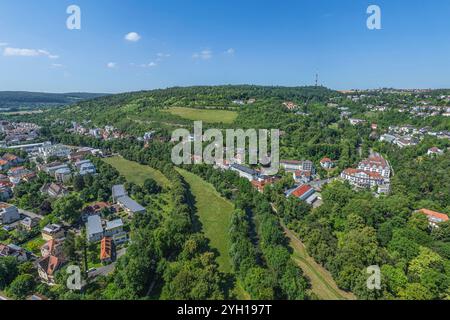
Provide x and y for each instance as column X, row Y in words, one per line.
column 406, row 141
column 435, row 151
column 53, row 247
column 302, row 176
column 8, row 213
column 94, row 228
column 47, row 267
column 130, row 206
column 262, row 182
column 355, row 122
column 85, row 167
column 389, row 138
column 6, row 192
column 57, row 150
column 63, row 175
column 53, row 167
column 12, row 159
column 52, row 231
column 290, row 105
column 54, row 190
column 118, row 191
column 17, row 174
column 107, row 250
column 114, row 230
column 12, row 250
column 244, row 172
column 434, row 218
column 327, row 163
column 29, row 223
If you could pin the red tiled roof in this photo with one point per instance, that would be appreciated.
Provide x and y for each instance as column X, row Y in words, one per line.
column 325, row 160
column 434, row 214
column 352, row 172
column 300, row 191
column 301, row 173
column 106, row 248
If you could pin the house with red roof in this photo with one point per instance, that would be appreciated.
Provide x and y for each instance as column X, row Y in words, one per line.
column 47, row 268
column 327, row 163
column 304, row 193
column 435, row 151
column 434, row 218
column 107, row 250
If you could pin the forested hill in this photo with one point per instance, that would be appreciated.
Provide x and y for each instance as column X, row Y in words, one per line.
column 200, row 97
column 29, row 100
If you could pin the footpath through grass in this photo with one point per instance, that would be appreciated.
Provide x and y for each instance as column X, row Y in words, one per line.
column 137, row 173
column 205, row 115
column 322, row 283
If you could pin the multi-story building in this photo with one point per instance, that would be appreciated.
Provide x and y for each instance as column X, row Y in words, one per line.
column 8, row 213
column 376, row 163
column 374, row 171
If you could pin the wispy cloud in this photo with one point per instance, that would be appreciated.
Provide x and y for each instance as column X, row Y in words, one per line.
column 133, row 37
column 57, row 65
column 111, row 65
column 230, row 52
column 149, row 65
column 3, row 44
column 19, row 52
column 161, row 56
column 203, row 55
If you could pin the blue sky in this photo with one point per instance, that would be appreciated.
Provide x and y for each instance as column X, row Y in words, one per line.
column 199, row 42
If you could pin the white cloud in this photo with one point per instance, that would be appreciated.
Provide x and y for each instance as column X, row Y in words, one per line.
column 57, row 65
column 111, row 65
column 3, row 44
column 230, row 51
column 133, row 37
column 204, row 55
column 149, row 65
column 18, row 52
column 161, row 56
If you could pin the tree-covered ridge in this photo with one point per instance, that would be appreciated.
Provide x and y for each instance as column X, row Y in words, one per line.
column 24, row 99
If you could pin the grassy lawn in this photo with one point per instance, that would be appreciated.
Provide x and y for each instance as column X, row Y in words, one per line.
column 35, row 245
column 214, row 213
column 137, row 173
column 206, row 115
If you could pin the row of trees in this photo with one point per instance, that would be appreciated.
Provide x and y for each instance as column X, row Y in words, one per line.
column 260, row 254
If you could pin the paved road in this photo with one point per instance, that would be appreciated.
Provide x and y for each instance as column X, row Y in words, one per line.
column 30, row 214
column 320, row 183
column 106, row 270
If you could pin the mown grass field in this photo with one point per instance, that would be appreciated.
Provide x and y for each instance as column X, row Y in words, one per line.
column 214, row 213
column 205, row 115
column 137, row 173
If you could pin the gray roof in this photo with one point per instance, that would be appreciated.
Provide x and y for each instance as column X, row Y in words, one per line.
column 118, row 191
column 94, row 225
column 130, row 204
column 114, row 224
column 243, row 169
